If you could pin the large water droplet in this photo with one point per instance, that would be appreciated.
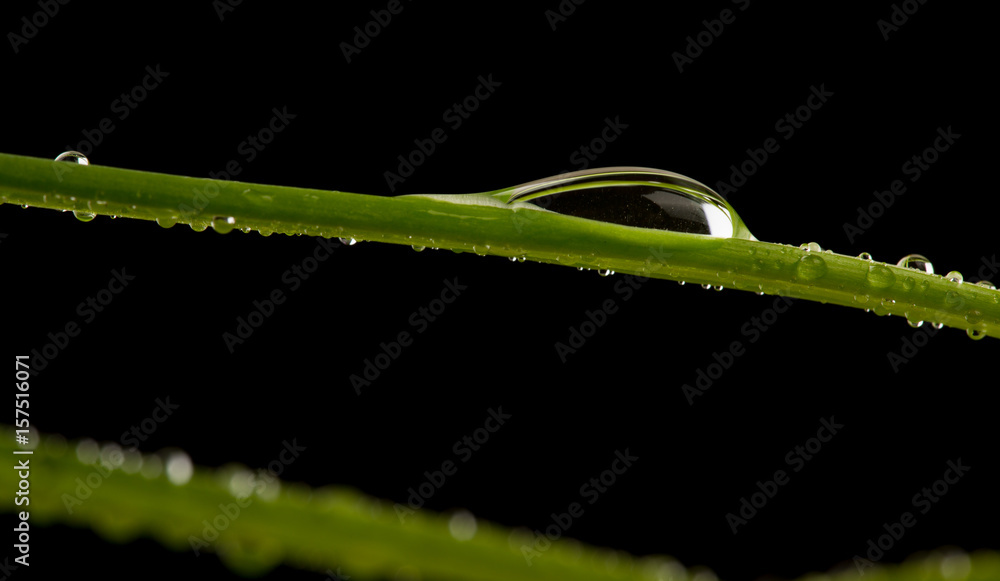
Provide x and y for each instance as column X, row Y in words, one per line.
column 810, row 267
column 879, row 276
column 73, row 157
column 635, row 196
column 916, row 262
column 84, row 216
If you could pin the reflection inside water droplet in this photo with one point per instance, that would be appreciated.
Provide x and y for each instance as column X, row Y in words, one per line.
column 73, row 157
column 348, row 241
column 84, row 216
column 916, row 262
column 637, row 197
column 954, row 276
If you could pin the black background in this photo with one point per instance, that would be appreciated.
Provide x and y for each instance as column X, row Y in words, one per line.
column 495, row 345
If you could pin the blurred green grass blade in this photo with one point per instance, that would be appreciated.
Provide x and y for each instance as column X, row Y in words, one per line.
column 340, row 529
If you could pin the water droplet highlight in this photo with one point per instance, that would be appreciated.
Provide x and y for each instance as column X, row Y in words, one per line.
column 634, row 196
column 73, row 157
column 348, row 241
column 916, row 262
column 954, row 276
column 605, row 271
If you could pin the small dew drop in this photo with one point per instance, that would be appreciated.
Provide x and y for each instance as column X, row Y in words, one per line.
column 986, row 284
column 908, row 283
column 84, row 216
column 937, row 325
column 223, row 224
column 811, row 247
column 87, row 451
column 512, row 258
column 975, row 334
column 179, row 468
column 718, row 288
column 974, row 317
column 865, row 256
column 954, row 276
column 706, row 286
column 810, row 267
column 605, row 271
column 916, row 262
column 579, row 268
column 522, row 258
column 879, row 276
column 681, row 282
column 73, row 157
column 419, row 248
column 462, row 525
column 913, row 323
column 348, row 241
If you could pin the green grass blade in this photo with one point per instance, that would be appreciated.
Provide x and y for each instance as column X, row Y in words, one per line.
column 483, row 224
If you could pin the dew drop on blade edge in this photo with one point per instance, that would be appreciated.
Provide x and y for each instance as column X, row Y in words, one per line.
column 916, row 262
column 73, row 157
